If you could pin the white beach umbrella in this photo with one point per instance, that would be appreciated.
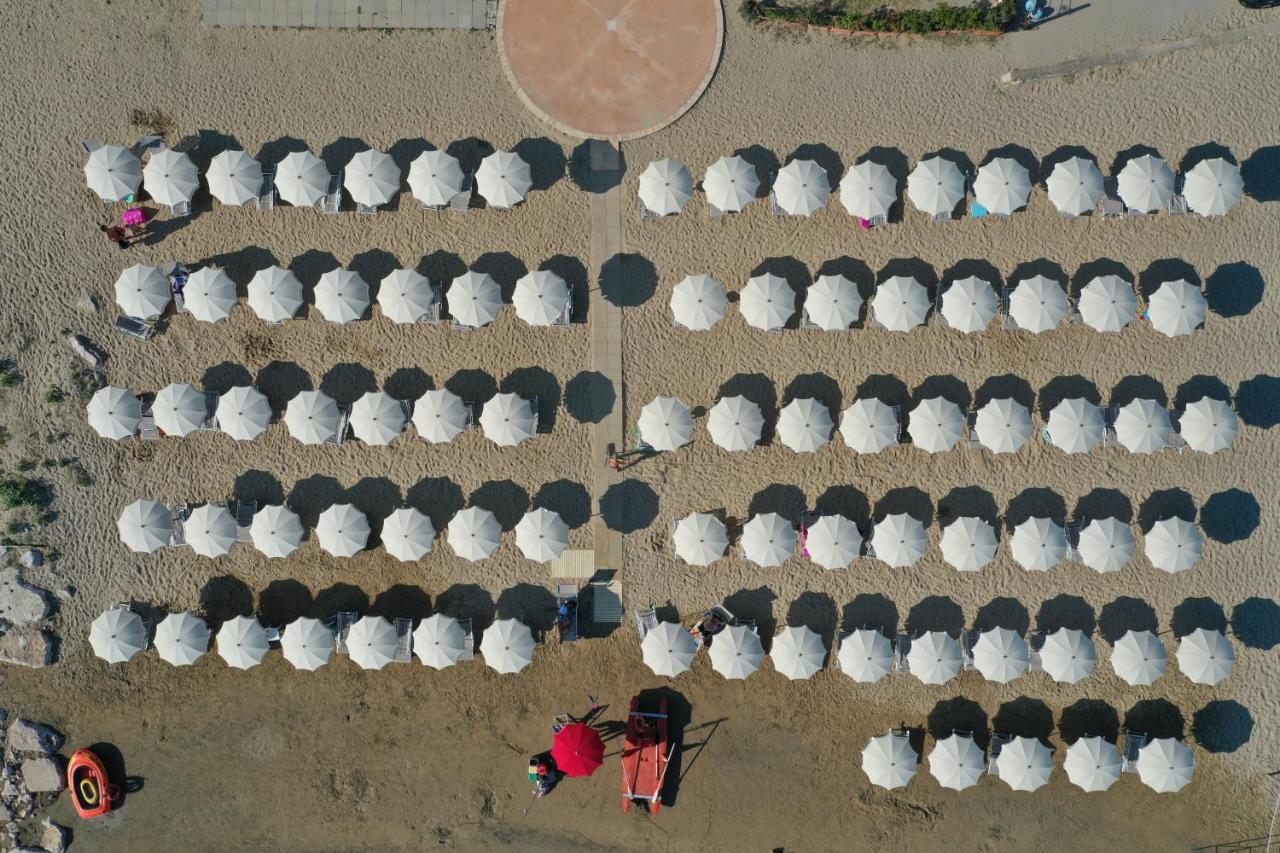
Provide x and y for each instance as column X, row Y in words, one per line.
column 243, row 413
column 889, row 761
column 832, row 303
column 540, row 298
column 474, row 534
column 234, row 177
column 1145, row 183
column 1001, row 655
column 474, row 299
column 801, row 188
column 797, row 653
column 767, row 302
column 276, row 530
column 730, row 184
column 1205, row 656
column 935, row 186
column 899, row 540
column 302, row 179
column 698, row 302
column 210, row 530
column 1108, row 303
column 1173, row 544
column 312, row 417
column 935, row 424
column 209, row 295
column 408, row 534
column 1106, row 544
column 1002, row 186
column 935, row 657
column 542, row 535
column 736, row 652
column 342, row 296
column 508, row 419
column 507, row 646
column 405, row 296
column 242, row 642
column 768, row 539
column 1176, row 308
column 700, row 539
column 665, row 424
column 1208, row 425
column 114, row 412
column 1076, row 425
column 1068, row 655
column 1143, row 426
column 371, row 177
column 968, row 543
column 377, row 418
column 1024, row 763
column 1212, row 187
column 1165, row 765
column 440, row 416
column 435, row 178
column 170, row 177
column 117, row 635
column 668, row 649
column 804, row 425
column 145, row 526
column 900, row 303
column 868, row 190
column 275, row 294
column 969, row 305
column 1038, row 544
column 665, row 187
column 439, row 641
column 343, row 530
column 1092, row 764
column 1139, row 657
column 735, row 423
column 1075, row 186
column 181, row 639
column 865, row 655
column 957, row 762
column 1037, row 304
column 307, row 643
column 503, row 179
column 1003, row 425
column 371, row 642
column 143, row 291
column 832, row 542
column 113, row 172
column 869, row 425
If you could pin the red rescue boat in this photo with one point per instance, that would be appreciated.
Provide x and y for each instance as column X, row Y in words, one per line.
column 92, row 793
column 645, row 756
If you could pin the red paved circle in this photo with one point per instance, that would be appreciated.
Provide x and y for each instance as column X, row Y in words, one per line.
column 613, row 69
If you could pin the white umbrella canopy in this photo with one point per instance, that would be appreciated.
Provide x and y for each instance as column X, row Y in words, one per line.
column 542, row 535
column 1003, row 425
column 312, row 417
column 408, row 534
column 377, row 418
column 117, row 635
column 435, row 178
column 797, row 653
column 1139, row 657
column 243, row 413
column 665, row 424
column 1208, row 425
column 276, row 530
column 1092, row 764
column 935, row 657
column 730, row 184
column 1176, row 308
column 507, row 646
column 143, row 291
column 736, row 652
column 1037, row 304
column 540, row 298
column 1075, row 186
column 405, row 296
column 474, row 299
column 899, row 540
column 181, row 639
column 1106, row 544
column 1068, row 655
column 1025, row 764
column 1108, row 303
column 1001, row 655
column 768, row 539
column 698, row 302
column 970, row 305
column 440, row 416
column 1205, row 656
column 234, row 177
column 805, row 425
column 968, row 543
column 275, row 294
column 1145, row 183
column 302, row 179
column 170, row 177
column 735, row 423
column 700, row 539
column 371, row 642
column 900, row 303
column 870, row 425
column 935, row 424
column 307, row 643
column 1165, row 765
column 439, row 641
column 868, row 190
column 935, row 186
column 801, row 188
column 113, row 172
column 210, row 530
column 668, row 649
column 114, row 412
column 1143, row 426
column 209, row 295
column 145, row 526
column 1212, row 187
column 508, row 419
column 503, row 179
column 832, row 303
column 343, row 530
column 865, row 655
column 767, row 302
column 1002, row 186
column 242, row 642
column 1076, row 425
column 1173, row 544
column 474, row 534
column 342, row 296
column 665, row 187
column 371, row 177
column 1038, row 544
column 889, row 761
column 832, row 542
column 957, row 762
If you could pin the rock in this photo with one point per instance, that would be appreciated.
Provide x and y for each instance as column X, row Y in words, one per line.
column 31, row 558
column 26, row 736
column 53, row 837
column 20, row 603
column 27, row 647
column 41, row 774
column 64, row 593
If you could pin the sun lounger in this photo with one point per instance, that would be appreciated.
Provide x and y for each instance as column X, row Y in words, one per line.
column 331, row 201
column 1010, row 324
column 245, row 511
column 91, row 145
column 969, row 639
column 534, row 406
column 1133, row 743
column 471, row 413
column 462, row 201
column 404, row 640
column 147, row 429
column 210, row 422
column 339, row 436
column 1109, row 437
column 646, row 215
column 181, row 210
column 1111, row 205
column 566, row 316
column 998, row 740
column 468, row 640
column 340, row 624
column 646, row 620
column 567, row 593
column 150, row 142
column 1035, row 640
column 970, row 430
column 366, row 208
column 714, row 212
column 436, row 308
column 604, row 600
column 267, row 192
column 179, row 515
column 135, row 327
column 901, row 646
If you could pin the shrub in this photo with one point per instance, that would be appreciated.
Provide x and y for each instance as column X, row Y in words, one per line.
column 19, row 492
column 9, row 375
column 999, row 16
column 55, row 394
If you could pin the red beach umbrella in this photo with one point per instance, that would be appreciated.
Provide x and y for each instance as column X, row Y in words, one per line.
column 578, row 750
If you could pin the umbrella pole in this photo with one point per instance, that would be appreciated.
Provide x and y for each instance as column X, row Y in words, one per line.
column 531, row 802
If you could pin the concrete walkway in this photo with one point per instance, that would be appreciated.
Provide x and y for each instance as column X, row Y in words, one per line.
column 353, row 14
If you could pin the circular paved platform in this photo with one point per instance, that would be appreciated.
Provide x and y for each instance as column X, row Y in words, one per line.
column 610, row 69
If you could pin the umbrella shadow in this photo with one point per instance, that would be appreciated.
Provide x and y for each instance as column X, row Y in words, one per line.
column 568, row 499
column 787, row 501
column 313, row 495
column 1166, row 503
column 1089, row 718
column 628, row 280
column 576, row 277
column 339, row 598
column 1224, row 725
column 117, row 774
column 968, row 502
column 408, row 383
column 1156, row 718
column 958, row 714
column 872, row 609
column 1165, row 270
column 467, row 601
column 505, row 499
column 1235, row 289
column 1255, row 622
column 766, row 164
column 1230, row 516
column 546, row 161
column 223, row 598
column 1035, row 503
column 935, row 613
column 589, row 397
column 847, row 501
column 1261, row 174
column 504, row 268
column 1258, row 401
column 259, row 486
column 284, row 601
column 1125, row 614
column 1006, row 613
column 1193, row 614
column 535, row 606
column 536, row 383
column 1006, row 387
column 1205, row 151
column 1066, row 611
column 1105, row 503
column 1025, row 717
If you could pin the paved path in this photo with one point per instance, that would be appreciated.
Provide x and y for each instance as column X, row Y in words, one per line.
column 353, row 14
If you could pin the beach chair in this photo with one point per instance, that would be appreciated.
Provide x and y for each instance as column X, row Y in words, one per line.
column 267, row 192
column 725, row 616
column 646, row 215
column 1109, row 437
column 366, row 209
column 567, row 593
column 1133, row 744
column 245, row 511
column 179, row 514
column 998, row 740
column 468, row 640
column 134, row 327
column 806, row 323
column 331, row 201
column 404, row 640
column 339, row 625
column 1035, row 640
column 1110, row 204
column 646, row 620
column 605, row 603
column 1006, row 318
column 181, row 210
column 147, row 429
column 150, row 142
column 970, row 430
column 471, row 413
column 210, row 422
column 945, row 216
column 339, row 436
column 462, row 201
column 534, row 406
column 879, row 220
column 436, row 308
column 714, row 212
column 901, row 646
column 91, row 145
column 1072, row 532
column 969, row 639
column 566, row 316
column 274, row 634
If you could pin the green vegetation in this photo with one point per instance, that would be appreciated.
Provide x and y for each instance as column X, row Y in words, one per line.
column 55, row 394
column 9, row 375
column 999, row 16
column 19, row 492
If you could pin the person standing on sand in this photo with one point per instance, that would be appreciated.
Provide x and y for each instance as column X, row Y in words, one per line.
column 122, row 236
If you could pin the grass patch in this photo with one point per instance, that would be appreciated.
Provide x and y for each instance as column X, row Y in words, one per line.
column 19, row 492
column 999, row 16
